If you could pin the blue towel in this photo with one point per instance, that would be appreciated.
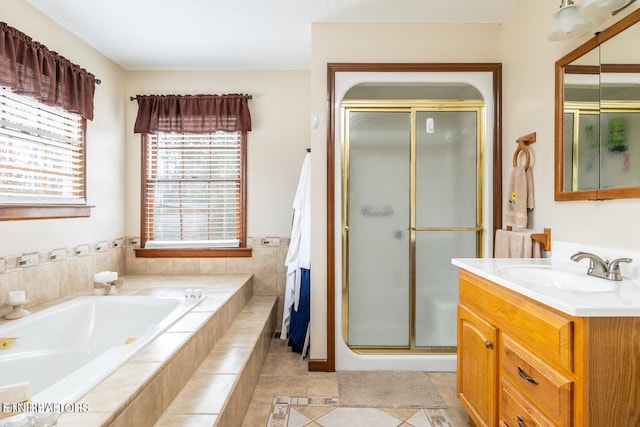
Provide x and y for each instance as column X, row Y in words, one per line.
column 300, row 317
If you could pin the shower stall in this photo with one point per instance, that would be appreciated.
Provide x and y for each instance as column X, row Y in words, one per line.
column 413, row 180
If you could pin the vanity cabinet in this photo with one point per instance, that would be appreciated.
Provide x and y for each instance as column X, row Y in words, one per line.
column 477, row 389
column 522, row 363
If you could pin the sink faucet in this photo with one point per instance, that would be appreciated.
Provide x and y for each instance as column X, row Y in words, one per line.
column 601, row 268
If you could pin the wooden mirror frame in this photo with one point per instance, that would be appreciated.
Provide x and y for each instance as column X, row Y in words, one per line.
column 561, row 64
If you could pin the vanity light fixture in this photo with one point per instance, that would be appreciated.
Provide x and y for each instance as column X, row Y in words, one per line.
column 573, row 21
column 569, row 24
column 598, row 8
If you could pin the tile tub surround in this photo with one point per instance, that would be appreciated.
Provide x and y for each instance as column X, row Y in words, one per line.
column 58, row 273
column 219, row 392
column 145, row 385
column 63, row 272
column 266, row 264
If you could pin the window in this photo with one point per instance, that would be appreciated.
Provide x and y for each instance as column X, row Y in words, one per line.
column 42, row 160
column 193, row 175
column 194, row 190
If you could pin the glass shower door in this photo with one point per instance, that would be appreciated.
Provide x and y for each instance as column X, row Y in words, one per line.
column 412, row 200
column 377, row 226
column 447, row 218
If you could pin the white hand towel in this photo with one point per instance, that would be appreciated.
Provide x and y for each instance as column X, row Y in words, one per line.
column 501, row 245
column 515, row 244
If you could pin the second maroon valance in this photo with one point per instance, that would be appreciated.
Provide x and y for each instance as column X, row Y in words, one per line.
column 192, row 113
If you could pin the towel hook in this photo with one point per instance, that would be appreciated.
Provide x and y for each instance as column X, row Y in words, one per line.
column 522, row 142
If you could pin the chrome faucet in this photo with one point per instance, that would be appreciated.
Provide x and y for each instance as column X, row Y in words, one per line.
column 598, row 267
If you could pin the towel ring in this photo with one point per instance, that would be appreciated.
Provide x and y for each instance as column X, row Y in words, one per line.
column 527, row 156
column 522, row 142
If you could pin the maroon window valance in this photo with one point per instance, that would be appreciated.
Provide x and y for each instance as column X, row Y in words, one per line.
column 192, row 113
column 29, row 68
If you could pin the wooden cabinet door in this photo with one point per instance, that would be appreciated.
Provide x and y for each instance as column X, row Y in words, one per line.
column 477, row 359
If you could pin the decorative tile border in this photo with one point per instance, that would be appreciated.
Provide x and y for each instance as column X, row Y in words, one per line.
column 438, row 417
column 281, row 412
column 279, row 416
column 15, row 262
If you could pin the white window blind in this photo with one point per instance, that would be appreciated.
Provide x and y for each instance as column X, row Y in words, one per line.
column 42, row 153
column 193, row 189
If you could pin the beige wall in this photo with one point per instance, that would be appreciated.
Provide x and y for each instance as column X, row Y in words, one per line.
column 105, row 144
column 276, row 146
column 81, row 246
column 282, row 104
column 373, row 43
column 528, row 87
column 528, row 95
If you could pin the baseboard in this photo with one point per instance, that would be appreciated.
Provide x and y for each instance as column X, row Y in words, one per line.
column 320, row 365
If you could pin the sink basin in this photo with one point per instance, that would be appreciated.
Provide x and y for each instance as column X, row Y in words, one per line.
column 556, row 277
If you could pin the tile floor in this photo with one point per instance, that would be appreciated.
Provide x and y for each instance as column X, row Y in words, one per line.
column 288, row 395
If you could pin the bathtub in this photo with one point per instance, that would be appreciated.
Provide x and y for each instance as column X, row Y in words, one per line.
column 66, row 350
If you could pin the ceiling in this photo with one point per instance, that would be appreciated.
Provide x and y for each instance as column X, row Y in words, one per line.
column 239, row 34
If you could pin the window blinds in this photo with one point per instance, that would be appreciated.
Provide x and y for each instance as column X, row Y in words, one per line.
column 192, row 187
column 42, row 156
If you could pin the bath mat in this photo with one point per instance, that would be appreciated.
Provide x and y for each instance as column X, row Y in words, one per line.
column 397, row 389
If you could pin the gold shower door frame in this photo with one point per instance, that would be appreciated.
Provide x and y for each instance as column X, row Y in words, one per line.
column 413, row 107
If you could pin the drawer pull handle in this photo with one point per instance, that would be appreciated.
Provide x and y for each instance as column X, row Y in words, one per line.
column 520, row 422
column 488, row 344
column 524, row 376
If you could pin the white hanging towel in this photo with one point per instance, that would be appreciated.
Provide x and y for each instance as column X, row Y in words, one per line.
column 516, row 244
column 299, row 254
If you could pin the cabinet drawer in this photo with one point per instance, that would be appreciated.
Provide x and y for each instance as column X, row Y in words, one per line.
column 547, row 333
column 541, row 384
column 517, row 411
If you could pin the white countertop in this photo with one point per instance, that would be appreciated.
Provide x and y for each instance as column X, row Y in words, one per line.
column 622, row 301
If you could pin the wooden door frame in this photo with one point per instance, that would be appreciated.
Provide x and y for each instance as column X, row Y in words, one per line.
column 328, row 364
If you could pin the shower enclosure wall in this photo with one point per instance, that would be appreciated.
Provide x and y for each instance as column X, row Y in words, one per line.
column 410, row 198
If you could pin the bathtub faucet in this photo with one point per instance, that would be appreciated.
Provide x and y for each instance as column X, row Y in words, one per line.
column 107, row 288
column 598, row 267
column 113, row 287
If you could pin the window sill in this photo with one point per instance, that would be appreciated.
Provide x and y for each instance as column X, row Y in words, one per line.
column 194, row 253
column 24, row 212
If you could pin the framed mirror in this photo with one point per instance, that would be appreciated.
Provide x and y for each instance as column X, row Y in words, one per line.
column 597, row 116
